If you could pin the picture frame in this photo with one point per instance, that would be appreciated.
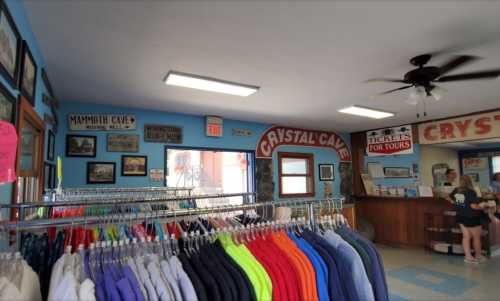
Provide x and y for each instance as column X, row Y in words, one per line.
column 101, row 172
column 397, row 172
column 81, row 146
column 46, row 83
column 28, row 74
column 8, row 106
column 10, row 48
column 49, row 175
column 51, row 141
column 134, row 166
column 326, row 172
column 474, row 177
column 123, row 143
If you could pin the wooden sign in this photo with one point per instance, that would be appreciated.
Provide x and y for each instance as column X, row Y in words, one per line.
column 123, row 143
column 162, row 133
column 389, row 141
column 101, row 122
column 214, row 126
column 242, row 132
column 466, row 128
column 278, row 135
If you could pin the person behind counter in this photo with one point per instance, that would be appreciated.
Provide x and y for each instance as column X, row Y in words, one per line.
column 495, row 183
column 451, row 176
column 469, row 212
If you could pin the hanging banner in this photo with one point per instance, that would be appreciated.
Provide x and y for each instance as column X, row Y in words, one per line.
column 279, row 135
column 466, row 128
column 390, row 141
column 475, row 163
column 101, row 122
column 8, row 148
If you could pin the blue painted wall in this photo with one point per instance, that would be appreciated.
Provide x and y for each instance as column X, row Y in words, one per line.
column 396, row 161
column 17, row 12
column 74, row 169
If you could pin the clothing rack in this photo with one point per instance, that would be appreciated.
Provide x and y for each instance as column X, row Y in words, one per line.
column 309, row 204
column 80, row 194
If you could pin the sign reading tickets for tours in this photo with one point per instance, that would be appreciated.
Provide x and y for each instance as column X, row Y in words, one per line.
column 101, row 122
column 465, row 128
column 390, row 141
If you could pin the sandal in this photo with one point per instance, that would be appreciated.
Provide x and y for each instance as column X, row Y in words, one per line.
column 472, row 261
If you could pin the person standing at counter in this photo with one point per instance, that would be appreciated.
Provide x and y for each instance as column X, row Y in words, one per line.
column 451, row 177
column 469, row 212
column 495, row 184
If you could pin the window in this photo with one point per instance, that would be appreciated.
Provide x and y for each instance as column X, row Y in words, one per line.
column 296, row 174
column 495, row 161
column 210, row 172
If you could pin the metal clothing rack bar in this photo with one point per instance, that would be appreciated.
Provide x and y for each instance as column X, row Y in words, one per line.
column 106, row 201
column 164, row 214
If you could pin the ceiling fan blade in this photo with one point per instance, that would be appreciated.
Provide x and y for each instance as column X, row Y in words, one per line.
column 394, row 90
column 487, row 74
column 456, row 62
column 384, row 80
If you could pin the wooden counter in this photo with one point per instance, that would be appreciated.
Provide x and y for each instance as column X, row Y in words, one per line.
column 399, row 221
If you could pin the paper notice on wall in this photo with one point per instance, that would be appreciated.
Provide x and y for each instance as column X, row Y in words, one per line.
column 390, row 141
column 8, row 148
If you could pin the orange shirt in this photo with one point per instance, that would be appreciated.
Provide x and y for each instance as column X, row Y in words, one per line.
column 301, row 263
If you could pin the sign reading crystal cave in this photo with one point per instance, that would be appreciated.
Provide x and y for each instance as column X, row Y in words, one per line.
column 465, row 128
column 390, row 141
column 279, row 135
column 101, row 122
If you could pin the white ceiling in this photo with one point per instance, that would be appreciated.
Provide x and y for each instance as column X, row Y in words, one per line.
column 309, row 58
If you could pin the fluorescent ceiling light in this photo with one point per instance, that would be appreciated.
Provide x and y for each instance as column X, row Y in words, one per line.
column 366, row 112
column 175, row 78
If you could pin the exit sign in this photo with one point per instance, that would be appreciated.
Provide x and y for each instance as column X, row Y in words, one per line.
column 214, row 126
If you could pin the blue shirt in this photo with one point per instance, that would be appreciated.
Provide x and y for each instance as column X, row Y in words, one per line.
column 358, row 287
column 318, row 264
column 335, row 286
column 378, row 282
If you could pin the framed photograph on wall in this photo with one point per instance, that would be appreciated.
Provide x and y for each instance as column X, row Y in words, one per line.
column 51, row 141
column 134, row 166
column 81, row 146
column 101, row 172
column 122, row 143
column 27, row 82
column 10, row 47
column 8, row 106
column 397, row 172
column 49, row 175
column 326, row 172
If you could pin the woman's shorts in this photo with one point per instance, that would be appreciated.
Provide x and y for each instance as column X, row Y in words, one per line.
column 469, row 221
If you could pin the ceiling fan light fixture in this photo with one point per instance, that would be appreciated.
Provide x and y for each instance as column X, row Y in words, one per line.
column 438, row 93
column 366, row 112
column 417, row 94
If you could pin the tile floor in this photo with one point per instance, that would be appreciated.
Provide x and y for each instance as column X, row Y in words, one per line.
column 421, row 275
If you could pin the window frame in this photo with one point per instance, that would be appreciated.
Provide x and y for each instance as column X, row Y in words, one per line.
column 311, row 185
column 251, row 184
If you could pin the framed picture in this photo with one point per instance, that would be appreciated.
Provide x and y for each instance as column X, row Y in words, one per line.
column 81, row 146
column 46, row 83
column 122, row 143
column 101, row 172
column 397, row 172
column 474, row 177
column 8, row 106
column 10, row 47
column 27, row 83
column 326, row 172
column 49, row 175
column 134, row 165
column 51, row 145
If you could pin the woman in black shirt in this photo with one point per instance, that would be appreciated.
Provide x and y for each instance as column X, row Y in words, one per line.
column 469, row 212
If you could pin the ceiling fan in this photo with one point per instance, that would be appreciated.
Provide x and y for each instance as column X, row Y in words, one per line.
column 424, row 78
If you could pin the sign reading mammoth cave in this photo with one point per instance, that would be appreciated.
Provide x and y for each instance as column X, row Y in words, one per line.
column 101, row 122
